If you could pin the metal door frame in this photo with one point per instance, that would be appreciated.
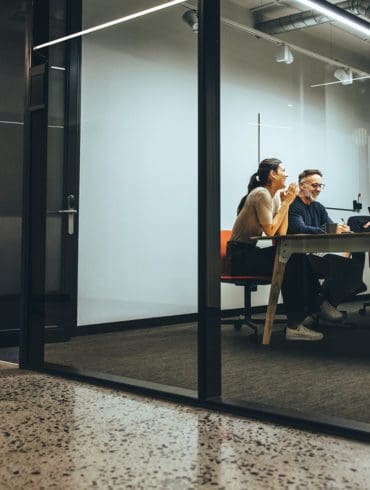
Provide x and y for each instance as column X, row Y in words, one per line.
column 33, row 287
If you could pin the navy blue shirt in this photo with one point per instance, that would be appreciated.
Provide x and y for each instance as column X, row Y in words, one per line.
column 307, row 218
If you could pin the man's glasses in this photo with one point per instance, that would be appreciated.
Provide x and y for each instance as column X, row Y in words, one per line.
column 315, row 186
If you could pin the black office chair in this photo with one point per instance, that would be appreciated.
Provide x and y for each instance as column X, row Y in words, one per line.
column 356, row 223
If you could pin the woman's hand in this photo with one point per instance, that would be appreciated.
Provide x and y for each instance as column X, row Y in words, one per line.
column 289, row 194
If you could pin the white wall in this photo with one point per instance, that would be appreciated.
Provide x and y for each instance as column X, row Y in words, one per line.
column 138, row 196
column 138, row 191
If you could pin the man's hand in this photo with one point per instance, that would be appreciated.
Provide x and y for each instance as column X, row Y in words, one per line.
column 342, row 228
column 366, row 225
column 290, row 193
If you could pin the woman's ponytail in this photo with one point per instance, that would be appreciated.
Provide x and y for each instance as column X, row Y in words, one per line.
column 241, row 204
column 254, row 182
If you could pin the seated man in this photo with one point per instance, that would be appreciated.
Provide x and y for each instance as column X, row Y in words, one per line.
column 343, row 276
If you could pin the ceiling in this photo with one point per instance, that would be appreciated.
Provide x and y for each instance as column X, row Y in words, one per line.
column 332, row 39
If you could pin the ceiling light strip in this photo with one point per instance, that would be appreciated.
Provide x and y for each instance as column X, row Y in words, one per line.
column 336, row 82
column 335, row 13
column 109, row 24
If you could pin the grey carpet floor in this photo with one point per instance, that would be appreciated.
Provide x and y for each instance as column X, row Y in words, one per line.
column 330, row 377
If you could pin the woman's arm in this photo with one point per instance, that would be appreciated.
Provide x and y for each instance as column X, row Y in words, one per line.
column 278, row 220
column 279, row 223
column 282, row 230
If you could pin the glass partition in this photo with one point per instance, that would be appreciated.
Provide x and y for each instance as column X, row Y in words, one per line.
column 12, row 28
column 302, row 96
column 134, row 210
column 122, row 199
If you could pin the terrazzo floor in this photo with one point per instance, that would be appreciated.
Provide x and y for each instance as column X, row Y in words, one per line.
column 62, row 434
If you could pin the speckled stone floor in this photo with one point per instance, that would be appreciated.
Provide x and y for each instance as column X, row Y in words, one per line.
column 60, row 434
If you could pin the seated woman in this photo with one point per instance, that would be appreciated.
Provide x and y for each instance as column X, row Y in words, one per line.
column 265, row 209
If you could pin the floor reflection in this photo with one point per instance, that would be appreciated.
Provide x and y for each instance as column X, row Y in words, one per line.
column 64, row 434
column 330, row 377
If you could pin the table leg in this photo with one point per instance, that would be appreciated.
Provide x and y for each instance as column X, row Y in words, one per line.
column 277, row 279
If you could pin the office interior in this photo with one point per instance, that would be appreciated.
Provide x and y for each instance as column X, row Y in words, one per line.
column 121, row 237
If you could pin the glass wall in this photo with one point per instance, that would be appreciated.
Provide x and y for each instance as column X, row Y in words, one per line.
column 135, row 199
column 12, row 35
column 282, row 96
column 122, row 203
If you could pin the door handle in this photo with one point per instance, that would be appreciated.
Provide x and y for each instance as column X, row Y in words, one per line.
column 71, row 212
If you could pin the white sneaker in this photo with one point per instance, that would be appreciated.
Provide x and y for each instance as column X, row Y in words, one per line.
column 302, row 333
column 330, row 313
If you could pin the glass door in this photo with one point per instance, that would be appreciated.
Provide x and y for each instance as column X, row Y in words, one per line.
column 121, row 195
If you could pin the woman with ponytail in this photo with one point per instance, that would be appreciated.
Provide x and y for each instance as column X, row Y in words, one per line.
column 265, row 210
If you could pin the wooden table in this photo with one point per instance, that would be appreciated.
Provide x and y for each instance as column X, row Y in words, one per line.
column 289, row 244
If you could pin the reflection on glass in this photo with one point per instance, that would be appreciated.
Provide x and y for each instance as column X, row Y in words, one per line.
column 284, row 96
column 137, row 231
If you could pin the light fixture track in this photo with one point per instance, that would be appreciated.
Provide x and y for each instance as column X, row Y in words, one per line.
column 298, row 49
column 338, row 82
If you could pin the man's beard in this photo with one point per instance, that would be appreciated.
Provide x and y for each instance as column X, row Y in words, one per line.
column 310, row 196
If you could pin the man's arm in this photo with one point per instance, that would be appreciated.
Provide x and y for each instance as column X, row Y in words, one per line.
column 325, row 218
column 297, row 224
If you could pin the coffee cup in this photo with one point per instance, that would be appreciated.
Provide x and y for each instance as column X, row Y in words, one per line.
column 331, row 227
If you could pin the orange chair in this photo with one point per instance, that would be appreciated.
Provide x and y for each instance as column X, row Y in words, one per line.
column 249, row 283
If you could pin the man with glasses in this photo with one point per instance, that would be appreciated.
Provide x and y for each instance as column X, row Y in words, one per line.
column 343, row 276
